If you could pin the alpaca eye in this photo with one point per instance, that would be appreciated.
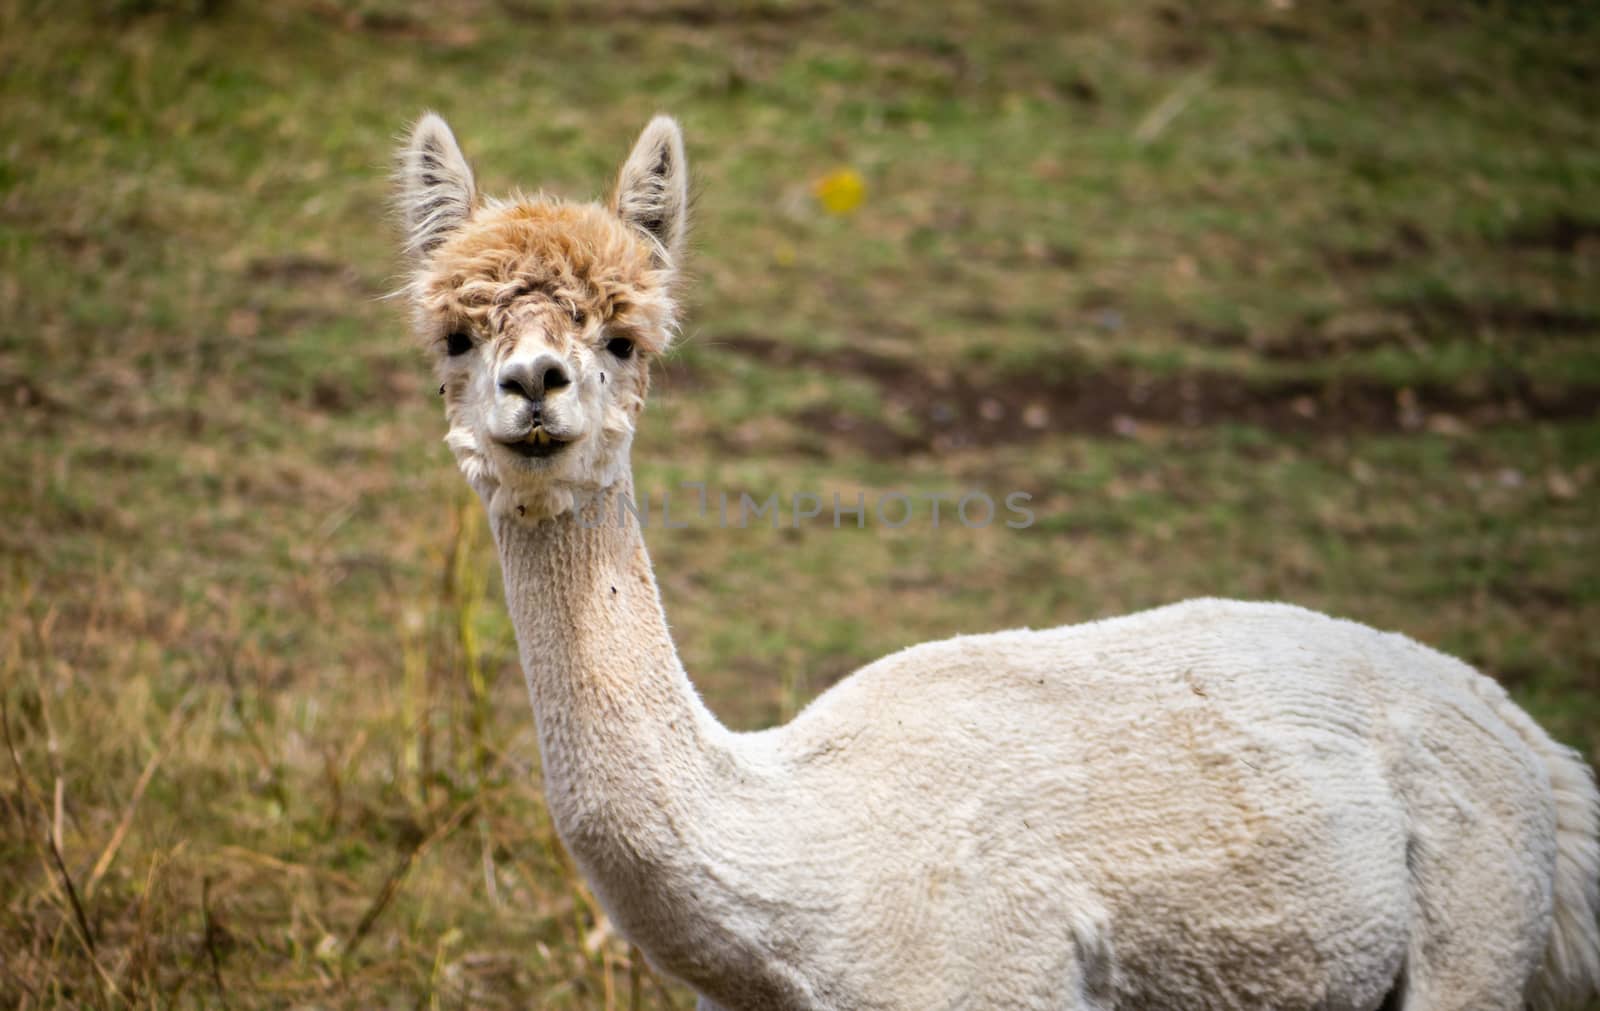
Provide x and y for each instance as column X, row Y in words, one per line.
column 458, row 343
column 622, row 347
column 578, row 316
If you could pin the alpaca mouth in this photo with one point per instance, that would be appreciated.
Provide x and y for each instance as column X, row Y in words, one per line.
column 537, row 445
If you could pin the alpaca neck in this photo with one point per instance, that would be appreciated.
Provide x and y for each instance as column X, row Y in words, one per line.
column 655, row 799
column 631, row 755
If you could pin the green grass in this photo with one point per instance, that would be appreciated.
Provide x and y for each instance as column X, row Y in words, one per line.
column 1255, row 300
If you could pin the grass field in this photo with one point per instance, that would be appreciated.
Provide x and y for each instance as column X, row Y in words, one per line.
column 1268, row 300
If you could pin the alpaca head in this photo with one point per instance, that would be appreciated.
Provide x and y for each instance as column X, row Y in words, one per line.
column 542, row 316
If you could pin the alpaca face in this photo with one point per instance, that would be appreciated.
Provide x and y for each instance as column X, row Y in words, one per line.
column 541, row 316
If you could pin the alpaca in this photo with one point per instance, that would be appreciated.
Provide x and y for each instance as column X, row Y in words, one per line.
column 1212, row 805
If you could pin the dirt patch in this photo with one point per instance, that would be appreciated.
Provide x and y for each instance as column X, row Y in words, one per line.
column 1450, row 317
column 1565, row 233
column 940, row 410
column 1410, row 323
column 1407, row 242
column 694, row 13
column 21, row 392
column 1561, row 232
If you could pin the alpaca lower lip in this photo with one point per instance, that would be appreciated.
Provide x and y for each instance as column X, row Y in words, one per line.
column 537, row 444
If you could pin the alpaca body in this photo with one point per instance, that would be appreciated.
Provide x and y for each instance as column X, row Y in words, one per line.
column 1213, row 805
column 1210, row 805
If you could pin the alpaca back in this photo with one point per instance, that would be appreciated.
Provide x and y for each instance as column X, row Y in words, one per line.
column 1135, row 802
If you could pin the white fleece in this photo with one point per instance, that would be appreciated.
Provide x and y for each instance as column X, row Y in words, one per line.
column 1212, row 805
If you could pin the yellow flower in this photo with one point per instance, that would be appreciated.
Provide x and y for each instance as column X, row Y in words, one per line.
column 840, row 191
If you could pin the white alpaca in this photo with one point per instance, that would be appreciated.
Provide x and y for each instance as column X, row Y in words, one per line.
column 1214, row 805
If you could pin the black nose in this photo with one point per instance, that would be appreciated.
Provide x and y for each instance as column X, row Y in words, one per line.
column 534, row 377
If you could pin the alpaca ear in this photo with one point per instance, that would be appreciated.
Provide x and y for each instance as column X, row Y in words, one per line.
column 436, row 191
column 653, row 188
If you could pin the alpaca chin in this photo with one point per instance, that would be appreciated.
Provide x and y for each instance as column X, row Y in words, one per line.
column 583, row 472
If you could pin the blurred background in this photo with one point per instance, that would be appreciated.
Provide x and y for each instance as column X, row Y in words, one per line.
column 1258, row 299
